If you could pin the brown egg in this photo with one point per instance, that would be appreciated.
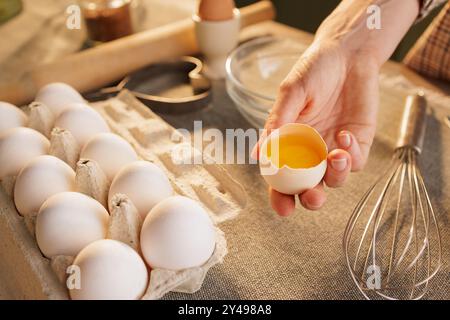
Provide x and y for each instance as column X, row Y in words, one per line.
column 216, row 10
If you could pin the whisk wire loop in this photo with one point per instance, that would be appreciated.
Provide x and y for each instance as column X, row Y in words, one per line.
column 392, row 242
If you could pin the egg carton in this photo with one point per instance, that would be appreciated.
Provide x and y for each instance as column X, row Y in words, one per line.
column 153, row 140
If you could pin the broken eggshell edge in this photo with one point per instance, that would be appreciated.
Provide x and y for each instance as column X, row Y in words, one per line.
column 288, row 180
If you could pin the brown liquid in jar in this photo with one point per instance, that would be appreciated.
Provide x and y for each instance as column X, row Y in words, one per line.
column 106, row 24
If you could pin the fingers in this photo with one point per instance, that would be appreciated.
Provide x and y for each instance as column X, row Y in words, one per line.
column 358, row 133
column 339, row 166
column 347, row 141
column 290, row 101
column 313, row 199
column 283, row 204
column 256, row 148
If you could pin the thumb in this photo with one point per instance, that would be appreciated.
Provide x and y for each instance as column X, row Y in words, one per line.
column 290, row 102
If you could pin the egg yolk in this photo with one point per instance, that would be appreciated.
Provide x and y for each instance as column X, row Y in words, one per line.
column 294, row 153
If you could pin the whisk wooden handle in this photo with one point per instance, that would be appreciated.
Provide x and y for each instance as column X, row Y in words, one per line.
column 412, row 129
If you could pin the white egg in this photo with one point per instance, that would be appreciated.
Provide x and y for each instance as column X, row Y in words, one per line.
column 289, row 180
column 82, row 123
column 17, row 147
column 177, row 234
column 144, row 183
column 69, row 221
column 41, row 178
column 110, row 270
column 72, row 105
column 57, row 95
column 11, row 117
column 110, row 151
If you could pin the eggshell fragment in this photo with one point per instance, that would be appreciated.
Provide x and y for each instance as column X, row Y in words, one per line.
column 143, row 183
column 110, row 151
column 41, row 178
column 110, row 270
column 17, row 147
column 11, row 117
column 56, row 96
column 69, row 221
column 177, row 234
column 293, row 180
column 82, row 123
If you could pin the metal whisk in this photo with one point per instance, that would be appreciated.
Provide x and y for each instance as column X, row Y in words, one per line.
column 392, row 242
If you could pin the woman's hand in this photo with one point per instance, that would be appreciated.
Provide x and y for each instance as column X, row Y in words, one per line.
column 338, row 99
column 334, row 88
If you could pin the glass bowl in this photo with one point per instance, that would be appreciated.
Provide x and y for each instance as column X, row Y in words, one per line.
column 254, row 72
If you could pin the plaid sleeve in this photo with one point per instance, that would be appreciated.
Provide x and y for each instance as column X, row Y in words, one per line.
column 426, row 6
column 430, row 55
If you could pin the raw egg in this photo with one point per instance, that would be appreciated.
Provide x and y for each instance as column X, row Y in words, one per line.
column 17, row 147
column 177, row 234
column 82, row 123
column 110, row 151
column 293, row 158
column 56, row 96
column 69, row 221
column 144, row 183
column 11, row 117
column 110, row 270
column 41, row 178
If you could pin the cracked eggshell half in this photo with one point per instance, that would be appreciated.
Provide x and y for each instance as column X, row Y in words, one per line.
column 82, row 123
column 110, row 151
column 56, row 96
column 41, row 178
column 293, row 158
column 110, row 270
column 177, row 234
column 18, row 146
column 11, row 117
column 69, row 221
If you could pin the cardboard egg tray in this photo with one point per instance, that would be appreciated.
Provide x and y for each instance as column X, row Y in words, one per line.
column 29, row 275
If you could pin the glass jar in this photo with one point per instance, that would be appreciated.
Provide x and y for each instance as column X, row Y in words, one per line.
column 107, row 20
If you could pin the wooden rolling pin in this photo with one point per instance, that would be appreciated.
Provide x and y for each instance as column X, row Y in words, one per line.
column 99, row 66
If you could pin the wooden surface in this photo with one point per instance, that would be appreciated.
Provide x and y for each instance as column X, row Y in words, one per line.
column 42, row 25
